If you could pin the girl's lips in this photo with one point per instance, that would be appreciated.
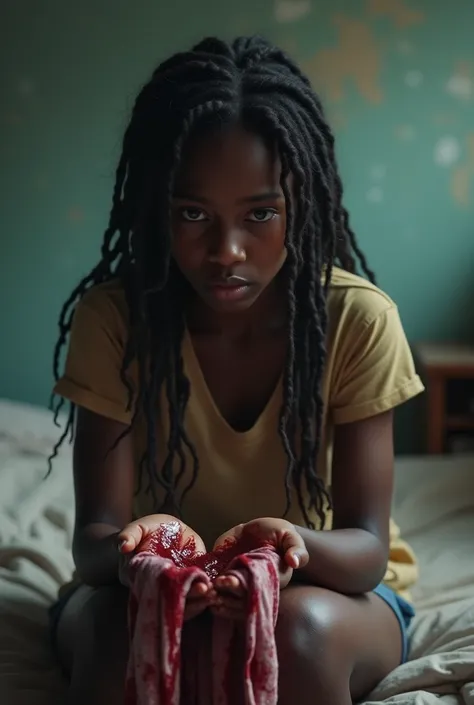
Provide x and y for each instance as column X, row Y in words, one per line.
column 226, row 292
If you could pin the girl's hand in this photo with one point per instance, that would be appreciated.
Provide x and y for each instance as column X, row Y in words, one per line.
column 230, row 599
column 282, row 536
column 133, row 539
column 200, row 597
column 277, row 533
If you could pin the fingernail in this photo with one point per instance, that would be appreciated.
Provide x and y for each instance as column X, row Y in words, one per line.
column 296, row 559
column 122, row 544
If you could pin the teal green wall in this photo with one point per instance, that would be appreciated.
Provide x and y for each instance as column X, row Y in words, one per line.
column 398, row 80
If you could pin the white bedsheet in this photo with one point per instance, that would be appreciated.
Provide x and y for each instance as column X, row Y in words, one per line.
column 434, row 505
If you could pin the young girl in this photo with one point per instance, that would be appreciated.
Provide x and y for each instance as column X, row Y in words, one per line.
column 228, row 367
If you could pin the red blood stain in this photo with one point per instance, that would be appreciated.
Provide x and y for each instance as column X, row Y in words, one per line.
column 149, row 673
column 174, row 598
column 168, row 542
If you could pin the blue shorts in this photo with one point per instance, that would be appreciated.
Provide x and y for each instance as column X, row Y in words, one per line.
column 404, row 612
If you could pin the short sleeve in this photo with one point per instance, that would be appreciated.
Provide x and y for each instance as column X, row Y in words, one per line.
column 375, row 371
column 94, row 359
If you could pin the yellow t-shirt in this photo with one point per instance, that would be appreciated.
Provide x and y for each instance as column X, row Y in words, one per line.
column 369, row 370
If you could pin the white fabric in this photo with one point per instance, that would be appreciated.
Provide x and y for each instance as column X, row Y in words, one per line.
column 36, row 518
column 434, row 505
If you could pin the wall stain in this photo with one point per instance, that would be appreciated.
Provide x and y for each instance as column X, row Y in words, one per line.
column 75, row 215
column 461, row 82
column 286, row 11
column 356, row 57
column 398, row 11
column 462, row 179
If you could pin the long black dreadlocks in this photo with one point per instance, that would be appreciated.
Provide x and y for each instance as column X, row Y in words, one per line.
column 255, row 83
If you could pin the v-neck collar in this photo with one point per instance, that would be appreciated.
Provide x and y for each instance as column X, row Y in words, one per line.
column 200, row 389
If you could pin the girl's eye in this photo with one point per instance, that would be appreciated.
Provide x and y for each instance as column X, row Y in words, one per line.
column 193, row 215
column 262, row 215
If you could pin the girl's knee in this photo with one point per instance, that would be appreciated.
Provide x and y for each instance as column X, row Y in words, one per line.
column 308, row 621
column 311, row 654
column 93, row 626
column 105, row 612
column 308, row 613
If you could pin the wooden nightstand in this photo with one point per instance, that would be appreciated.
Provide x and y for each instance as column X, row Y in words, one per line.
column 448, row 371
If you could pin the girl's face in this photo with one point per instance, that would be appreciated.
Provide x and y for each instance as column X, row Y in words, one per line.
column 229, row 219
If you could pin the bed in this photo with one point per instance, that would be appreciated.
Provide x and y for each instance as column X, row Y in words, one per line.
column 434, row 504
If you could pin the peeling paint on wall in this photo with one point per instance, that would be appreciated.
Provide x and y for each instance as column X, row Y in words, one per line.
column 405, row 48
column 445, row 120
column 375, row 194
column 461, row 82
column 358, row 56
column 75, row 215
column 462, row 181
column 405, row 133
column 396, row 10
column 378, row 172
column 414, row 78
column 286, row 11
column 355, row 58
column 447, row 151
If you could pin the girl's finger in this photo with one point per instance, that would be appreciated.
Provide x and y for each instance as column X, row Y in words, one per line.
column 194, row 608
column 230, row 584
column 198, row 590
column 229, row 610
column 296, row 558
column 294, row 550
column 229, row 602
column 131, row 537
column 200, row 597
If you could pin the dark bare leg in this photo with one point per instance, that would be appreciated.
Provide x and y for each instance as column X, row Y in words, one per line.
column 333, row 649
column 93, row 645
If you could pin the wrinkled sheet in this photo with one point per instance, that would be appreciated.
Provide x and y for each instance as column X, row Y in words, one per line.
column 434, row 505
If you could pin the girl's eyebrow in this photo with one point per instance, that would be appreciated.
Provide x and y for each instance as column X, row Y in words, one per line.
column 258, row 197
column 255, row 198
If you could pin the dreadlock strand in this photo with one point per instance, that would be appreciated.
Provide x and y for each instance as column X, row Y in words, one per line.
column 287, row 411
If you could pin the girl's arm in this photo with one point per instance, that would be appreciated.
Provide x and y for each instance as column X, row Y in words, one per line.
column 352, row 558
column 104, row 485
